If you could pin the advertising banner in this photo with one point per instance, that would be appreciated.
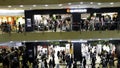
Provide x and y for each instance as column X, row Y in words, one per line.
column 29, row 22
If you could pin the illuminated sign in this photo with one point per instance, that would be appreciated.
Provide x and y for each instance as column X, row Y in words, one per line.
column 29, row 22
column 76, row 10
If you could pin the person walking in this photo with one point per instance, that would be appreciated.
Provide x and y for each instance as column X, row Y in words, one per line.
column 50, row 64
column 75, row 64
column 53, row 62
column 42, row 64
column 58, row 54
column 45, row 63
column 67, row 58
column 55, row 25
column 19, row 28
column 84, row 62
column 70, row 62
column 93, row 60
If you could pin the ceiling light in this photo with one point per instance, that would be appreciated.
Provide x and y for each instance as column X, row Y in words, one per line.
column 69, row 3
column 21, row 5
column 111, row 3
column 99, row 3
column 11, row 11
column 34, row 5
column 46, row 5
column 60, row 5
column 81, row 2
column 91, row 2
column 9, row 6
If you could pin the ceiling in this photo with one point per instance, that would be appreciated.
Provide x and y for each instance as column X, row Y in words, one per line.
column 61, row 5
column 42, row 2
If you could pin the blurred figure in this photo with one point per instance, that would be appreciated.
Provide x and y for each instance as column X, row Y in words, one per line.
column 24, row 60
column 70, row 62
column 8, row 27
column 19, row 27
column 35, row 63
column 104, row 61
column 58, row 54
column 75, row 64
column 5, row 59
column 15, row 60
column 42, row 64
column 50, row 64
column 53, row 62
column 67, row 60
column 45, row 63
column 93, row 60
column 55, row 25
column 111, row 61
column 84, row 62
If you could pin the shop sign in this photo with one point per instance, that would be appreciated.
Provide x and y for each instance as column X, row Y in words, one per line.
column 76, row 10
column 29, row 22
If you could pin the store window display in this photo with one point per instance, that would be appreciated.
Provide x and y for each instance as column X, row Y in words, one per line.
column 110, row 20
column 99, row 21
column 92, row 22
column 114, row 18
column 13, row 21
column 42, row 52
column 101, row 50
column 53, row 23
column 107, row 20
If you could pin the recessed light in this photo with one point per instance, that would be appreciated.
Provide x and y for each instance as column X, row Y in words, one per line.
column 34, row 5
column 9, row 6
column 91, row 2
column 99, row 3
column 81, row 2
column 60, row 4
column 69, row 3
column 11, row 41
column 46, row 5
column 111, row 3
column 21, row 5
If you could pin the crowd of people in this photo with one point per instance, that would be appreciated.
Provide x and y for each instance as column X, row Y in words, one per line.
column 60, row 23
column 11, row 57
column 52, row 24
column 7, row 27
column 99, row 55
column 100, row 23
column 91, row 23
column 92, row 57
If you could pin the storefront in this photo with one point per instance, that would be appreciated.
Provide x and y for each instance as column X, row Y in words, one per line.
column 54, row 22
column 12, row 17
column 48, row 49
column 75, row 48
column 75, row 21
column 48, row 20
